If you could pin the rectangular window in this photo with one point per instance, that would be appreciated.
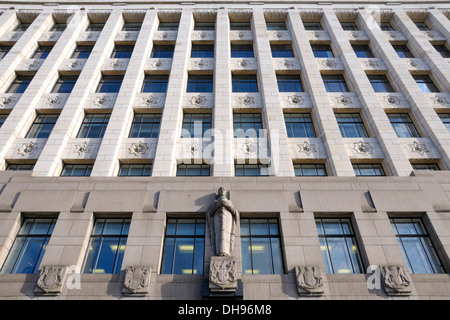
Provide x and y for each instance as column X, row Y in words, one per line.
column 351, row 125
column 289, row 83
column 20, row 84
column 204, row 26
column 403, row 125
column 240, row 26
column 29, row 246
column 309, row 169
column 261, row 247
column 322, row 51
column 335, row 83
column 94, row 125
column 155, row 83
column 20, row 166
column 363, row 51
column 145, row 125
column 42, row 126
column 251, row 170
column 59, row 27
column 312, row 26
column 386, row 26
column 122, row 51
column 244, row 83
column 422, row 26
column 135, row 170
column 196, row 125
column 445, row 117
column 380, row 83
column 2, row 119
column 425, row 83
column 193, row 170
column 65, row 84
column 42, row 52
column 95, row 27
column 4, row 51
column 107, row 246
column 132, row 26
column 162, row 51
column 22, row 27
column 168, row 26
column 276, row 26
column 299, row 125
column 184, row 246
column 338, row 245
column 349, row 26
column 403, row 51
column 82, row 52
column 201, row 83
column 443, row 50
column 281, row 51
column 368, row 169
column 416, row 245
column 247, row 124
column 242, row 51
column 110, row 84
column 426, row 166
column 202, row 51
column 76, row 170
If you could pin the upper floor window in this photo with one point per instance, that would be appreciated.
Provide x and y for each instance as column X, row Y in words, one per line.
column 247, row 124
column 42, row 52
column 196, row 125
column 299, row 125
column 422, row 26
column 94, row 125
column 76, row 170
column 251, row 170
column 107, row 246
column 380, row 83
column 95, row 27
column 168, row 26
column 445, row 117
column 416, row 245
column 349, row 26
column 443, row 50
column 29, row 246
column 335, row 83
column 155, row 83
column 425, row 83
column 145, row 125
column 338, row 245
column 242, row 51
column 122, row 51
column 110, row 84
column 42, row 126
column 322, row 51
column 240, row 26
column 20, row 166
column 386, row 26
column 59, row 27
column 363, row 51
column 4, row 50
column 162, row 51
column 193, row 170
column 2, row 119
column 276, row 26
column 82, row 52
column 403, row 125
column 65, row 84
column 351, row 125
column 312, row 26
column 289, row 83
column 368, row 169
column 309, row 169
column 204, row 26
column 427, row 166
column 184, row 245
column 403, row 51
column 20, row 84
column 281, row 51
column 202, row 51
column 244, row 83
column 200, row 83
column 22, row 27
column 132, row 26
column 261, row 247
column 135, row 170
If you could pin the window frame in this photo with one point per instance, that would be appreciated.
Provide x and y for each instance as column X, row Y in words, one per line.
column 306, row 125
column 408, row 126
column 358, row 166
column 87, row 167
column 245, row 169
column 357, row 123
column 322, row 51
column 239, row 82
column 205, row 170
column 380, row 83
column 254, row 126
column 20, row 84
column 39, row 123
column 87, row 122
column 362, row 50
column 191, row 122
column 426, row 83
column 319, row 168
column 237, row 53
column 64, row 81
column 162, row 51
column 332, row 82
column 200, row 83
column 287, row 81
column 130, row 169
column 282, row 50
column 202, row 51
column 109, row 84
column 152, row 120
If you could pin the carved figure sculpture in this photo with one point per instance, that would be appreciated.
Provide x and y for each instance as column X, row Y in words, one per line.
column 222, row 223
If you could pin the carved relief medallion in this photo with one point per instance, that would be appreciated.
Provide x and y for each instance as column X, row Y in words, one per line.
column 51, row 279
column 395, row 280
column 137, row 280
column 309, row 280
column 222, row 274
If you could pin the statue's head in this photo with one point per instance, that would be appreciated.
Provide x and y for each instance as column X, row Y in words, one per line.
column 222, row 192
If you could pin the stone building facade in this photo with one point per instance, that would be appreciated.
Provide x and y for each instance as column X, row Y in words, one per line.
column 326, row 122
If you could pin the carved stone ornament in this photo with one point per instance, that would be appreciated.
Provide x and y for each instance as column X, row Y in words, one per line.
column 51, row 279
column 344, row 100
column 307, row 148
column 222, row 217
column 82, row 148
column 198, row 100
column 100, row 101
column 73, row 64
column 250, row 148
column 4, row 101
column 138, row 148
column 395, row 280
column 309, row 281
column 150, row 100
column 137, row 280
column 295, row 100
column 54, row 101
column 32, row 65
column 392, row 100
column 116, row 64
column 158, row 63
column 246, row 100
column 419, row 148
column 192, row 149
column 27, row 148
column 286, row 64
column 373, row 64
column 329, row 63
column 440, row 100
column 222, row 274
column 363, row 148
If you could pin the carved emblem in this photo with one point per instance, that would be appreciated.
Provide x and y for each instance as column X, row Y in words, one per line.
column 317, row 34
column 394, row 278
column 150, row 100
column 27, row 148
column 116, row 64
column 329, row 63
column 246, row 100
column 343, row 100
column 73, row 64
column 309, row 279
column 198, row 100
column 4, row 101
column 137, row 280
column 82, row 148
column 363, row 148
column 158, row 63
column 31, row 65
column 295, row 100
column 192, row 148
column 138, row 148
column 222, row 273
column 392, row 100
column 51, row 279
column 250, row 148
column 373, row 64
column 440, row 100
column 419, row 148
column 54, row 101
column 99, row 101
column 307, row 148
column 286, row 63
column 243, row 63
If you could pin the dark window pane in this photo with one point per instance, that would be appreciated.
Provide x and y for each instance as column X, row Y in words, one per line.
column 193, row 170
column 275, row 26
column 335, row 83
column 244, row 83
column 310, row 169
column 199, row 84
column 42, row 126
column 425, row 83
column 281, row 51
column 168, row 26
column 145, row 125
column 242, row 51
column 82, row 52
column 403, row 125
column 162, row 51
column 299, row 125
column 363, row 51
column 240, row 26
column 65, row 84
column 289, row 83
column 312, row 26
column 94, row 125
column 368, row 169
column 204, row 26
column 154, row 83
column 322, row 51
column 110, row 84
column 349, row 26
column 122, row 52
column 20, row 84
column 202, row 51
column 403, row 51
column 380, row 83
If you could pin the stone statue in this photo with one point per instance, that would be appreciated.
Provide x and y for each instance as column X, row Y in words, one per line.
column 222, row 224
